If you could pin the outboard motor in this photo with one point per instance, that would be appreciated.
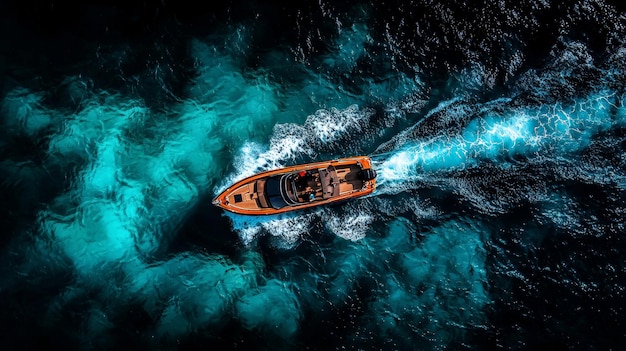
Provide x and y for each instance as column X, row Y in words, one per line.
column 367, row 174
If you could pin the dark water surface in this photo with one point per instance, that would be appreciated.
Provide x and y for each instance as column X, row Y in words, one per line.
column 498, row 131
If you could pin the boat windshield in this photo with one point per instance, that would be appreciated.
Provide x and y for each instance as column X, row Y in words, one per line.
column 273, row 192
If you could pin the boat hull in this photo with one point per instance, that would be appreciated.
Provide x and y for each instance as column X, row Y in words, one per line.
column 300, row 187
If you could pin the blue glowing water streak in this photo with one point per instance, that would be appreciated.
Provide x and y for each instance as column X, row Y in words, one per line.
column 547, row 131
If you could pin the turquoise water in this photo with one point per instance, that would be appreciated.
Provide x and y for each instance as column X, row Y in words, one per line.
column 498, row 221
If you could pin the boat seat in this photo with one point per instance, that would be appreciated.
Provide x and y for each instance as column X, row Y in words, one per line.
column 260, row 187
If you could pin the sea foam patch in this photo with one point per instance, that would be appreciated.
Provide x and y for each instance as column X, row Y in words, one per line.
column 330, row 126
column 352, row 225
column 287, row 229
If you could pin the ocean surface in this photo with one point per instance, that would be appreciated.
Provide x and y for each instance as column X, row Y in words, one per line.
column 497, row 128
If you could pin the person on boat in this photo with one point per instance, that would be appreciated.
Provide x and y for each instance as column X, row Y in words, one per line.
column 302, row 178
column 311, row 196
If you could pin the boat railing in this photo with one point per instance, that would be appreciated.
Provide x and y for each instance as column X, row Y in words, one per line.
column 289, row 196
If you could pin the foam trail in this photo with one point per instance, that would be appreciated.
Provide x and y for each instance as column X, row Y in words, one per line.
column 557, row 129
column 287, row 228
column 353, row 225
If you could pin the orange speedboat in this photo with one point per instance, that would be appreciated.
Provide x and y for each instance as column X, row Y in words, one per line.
column 301, row 186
